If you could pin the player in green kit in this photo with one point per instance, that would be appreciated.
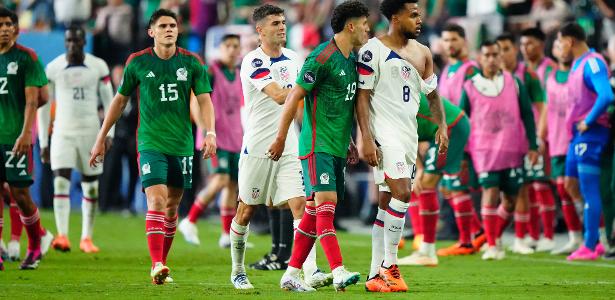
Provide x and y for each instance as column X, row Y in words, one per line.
column 164, row 76
column 21, row 79
column 328, row 82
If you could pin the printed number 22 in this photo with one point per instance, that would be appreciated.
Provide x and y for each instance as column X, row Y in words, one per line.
column 406, row 93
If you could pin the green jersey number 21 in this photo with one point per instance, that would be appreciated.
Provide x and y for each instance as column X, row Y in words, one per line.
column 170, row 91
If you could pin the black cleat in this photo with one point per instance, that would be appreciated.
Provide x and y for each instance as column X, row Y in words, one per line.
column 31, row 261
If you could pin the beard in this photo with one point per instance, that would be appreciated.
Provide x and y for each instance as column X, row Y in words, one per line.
column 410, row 35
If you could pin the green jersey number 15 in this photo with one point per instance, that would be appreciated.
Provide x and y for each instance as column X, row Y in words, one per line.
column 170, row 91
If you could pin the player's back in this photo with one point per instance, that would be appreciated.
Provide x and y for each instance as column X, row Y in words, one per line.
column 262, row 113
column 76, row 93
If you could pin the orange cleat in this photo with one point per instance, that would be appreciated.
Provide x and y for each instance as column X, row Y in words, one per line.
column 416, row 243
column 456, row 249
column 376, row 284
column 402, row 244
column 61, row 243
column 479, row 241
column 392, row 277
column 87, row 246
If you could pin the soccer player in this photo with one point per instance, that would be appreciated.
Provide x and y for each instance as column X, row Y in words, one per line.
column 587, row 121
column 267, row 75
column 393, row 70
column 164, row 75
column 78, row 81
column 227, row 99
column 327, row 82
column 558, row 138
column 502, row 128
column 22, row 80
column 527, row 215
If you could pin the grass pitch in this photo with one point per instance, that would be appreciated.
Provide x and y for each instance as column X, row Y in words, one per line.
column 121, row 270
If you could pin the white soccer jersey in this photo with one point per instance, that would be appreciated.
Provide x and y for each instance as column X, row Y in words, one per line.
column 77, row 91
column 395, row 85
column 262, row 113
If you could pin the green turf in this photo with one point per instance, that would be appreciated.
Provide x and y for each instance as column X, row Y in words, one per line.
column 121, row 270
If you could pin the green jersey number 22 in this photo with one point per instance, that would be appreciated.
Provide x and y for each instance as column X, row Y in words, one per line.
column 170, row 91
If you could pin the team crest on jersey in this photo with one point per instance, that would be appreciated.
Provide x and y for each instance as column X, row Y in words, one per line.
column 309, row 77
column 182, row 74
column 405, row 72
column 256, row 192
column 324, row 178
column 11, row 69
column 367, row 56
column 401, row 167
column 284, row 74
column 146, row 169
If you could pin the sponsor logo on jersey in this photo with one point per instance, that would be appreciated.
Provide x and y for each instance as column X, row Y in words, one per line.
column 260, row 73
column 309, row 77
column 284, row 74
column 256, row 192
column 367, row 56
column 11, row 69
column 324, row 178
column 364, row 69
column 361, row 82
column 342, row 73
column 257, row 62
column 146, row 169
column 150, row 75
column 182, row 74
column 23, row 173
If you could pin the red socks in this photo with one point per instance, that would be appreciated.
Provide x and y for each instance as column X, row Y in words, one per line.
column 413, row 209
column 305, row 236
column 462, row 205
column 326, row 233
column 503, row 217
column 155, row 231
column 170, row 226
column 490, row 223
column 534, row 225
column 570, row 214
column 195, row 212
column 547, row 208
column 429, row 209
column 16, row 225
column 33, row 228
column 521, row 222
column 226, row 217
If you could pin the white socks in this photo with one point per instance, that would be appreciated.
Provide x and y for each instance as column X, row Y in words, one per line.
column 88, row 207
column 239, row 235
column 61, row 203
column 377, row 243
column 309, row 266
column 394, row 220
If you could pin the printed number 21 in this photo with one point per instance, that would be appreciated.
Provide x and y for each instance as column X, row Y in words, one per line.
column 406, row 93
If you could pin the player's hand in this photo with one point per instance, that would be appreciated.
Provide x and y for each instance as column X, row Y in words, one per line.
column 276, row 149
column 108, row 143
column 370, row 152
column 97, row 153
column 416, row 182
column 442, row 138
column 532, row 155
column 45, row 155
column 22, row 145
column 353, row 154
column 209, row 146
column 541, row 146
column 582, row 126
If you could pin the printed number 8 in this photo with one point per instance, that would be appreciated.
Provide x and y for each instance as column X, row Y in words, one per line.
column 406, row 93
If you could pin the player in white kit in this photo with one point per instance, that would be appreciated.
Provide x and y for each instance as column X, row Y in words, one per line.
column 78, row 82
column 267, row 75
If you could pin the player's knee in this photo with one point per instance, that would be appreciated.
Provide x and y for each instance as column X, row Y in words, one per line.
column 90, row 189
column 244, row 213
column 22, row 196
column 402, row 193
column 571, row 185
column 61, row 185
column 430, row 181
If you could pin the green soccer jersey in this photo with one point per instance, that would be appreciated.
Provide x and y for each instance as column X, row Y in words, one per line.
column 534, row 87
column 164, row 89
column 331, row 82
column 19, row 68
column 427, row 126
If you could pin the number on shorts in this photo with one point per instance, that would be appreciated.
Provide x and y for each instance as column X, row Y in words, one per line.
column 187, row 165
column 431, row 158
column 21, row 163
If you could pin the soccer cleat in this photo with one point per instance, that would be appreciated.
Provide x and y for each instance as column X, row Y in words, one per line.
column 14, row 251
column 189, row 231
column 159, row 273
column 600, row 250
column 479, row 241
column 530, row 242
column 583, row 253
column 609, row 255
column 224, row 241
column 520, row 247
column 377, row 284
column 545, row 245
column 418, row 259
column 491, row 253
column 61, row 243
column 4, row 253
column 574, row 242
column 294, row 283
column 393, row 279
column 267, row 258
column 457, row 249
column 87, row 246
column 402, row 243
column 46, row 240
column 273, row 265
column 241, row 282
column 319, row 279
column 416, row 242
column 32, row 260
column 169, row 279
column 343, row 278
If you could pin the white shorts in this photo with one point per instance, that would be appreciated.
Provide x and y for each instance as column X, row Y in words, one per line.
column 264, row 181
column 73, row 152
column 395, row 164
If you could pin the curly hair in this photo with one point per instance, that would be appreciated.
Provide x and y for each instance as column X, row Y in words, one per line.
column 534, row 32
column 390, row 7
column 346, row 11
column 264, row 11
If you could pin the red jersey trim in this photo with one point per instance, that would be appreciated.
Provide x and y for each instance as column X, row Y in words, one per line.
column 326, row 53
column 190, row 53
column 138, row 53
column 27, row 50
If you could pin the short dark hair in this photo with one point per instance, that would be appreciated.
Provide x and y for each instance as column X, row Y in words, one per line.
column 452, row 27
column 390, row 7
column 229, row 36
column 534, row 32
column 77, row 29
column 5, row 12
column 573, row 30
column 161, row 13
column 506, row 37
column 346, row 11
column 488, row 43
column 264, row 11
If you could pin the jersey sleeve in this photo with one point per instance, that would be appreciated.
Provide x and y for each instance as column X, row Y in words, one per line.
column 35, row 73
column 129, row 80
column 257, row 73
column 534, row 87
column 527, row 115
column 597, row 78
column 367, row 66
column 311, row 73
column 200, row 84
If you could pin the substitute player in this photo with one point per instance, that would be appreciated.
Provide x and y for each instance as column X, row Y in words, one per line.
column 328, row 82
column 78, row 82
column 164, row 76
column 393, row 70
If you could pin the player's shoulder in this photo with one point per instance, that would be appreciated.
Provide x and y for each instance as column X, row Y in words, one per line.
column 595, row 63
column 139, row 55
column 190, row 55
column 290, row 53
column 254, row 59
column 95, row 62
column 28, row 52
column 370, row 50
column 59, row 62
column 323, row 52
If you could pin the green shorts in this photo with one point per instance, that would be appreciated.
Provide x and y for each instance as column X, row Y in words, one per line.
column 325, row 174
column 16, row 171
column 509, row 181
column 558, row 166
column 536, row 172
column 158, row 168
column 449, row 163
column 225, row 162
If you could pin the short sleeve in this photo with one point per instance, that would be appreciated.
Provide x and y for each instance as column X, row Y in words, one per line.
column 534, row 87
column 200, row 84
column 35, row 73
column 50, row 71
column 311, row 73
column 257, row 73
column 103, row 69
column 129, row 80
column 367, row 66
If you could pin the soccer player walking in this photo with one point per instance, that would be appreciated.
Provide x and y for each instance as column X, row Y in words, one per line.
column 393, row 70
column 77, row 82
column 164, row 75
column 328, row 82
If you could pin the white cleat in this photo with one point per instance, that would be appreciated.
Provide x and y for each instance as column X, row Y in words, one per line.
column 520, row 247
column 14, row 250
column 418, row 259
column 530, row 242
column 189, row 231
column 342, row 278
column 545, row 245
column 570, row 247
column 169, row 279
column 319, row 279
column 491, row 253
column 46, row 242
column 241, row 282
column 294, row 283
column 224, row 241
column 159, row 273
